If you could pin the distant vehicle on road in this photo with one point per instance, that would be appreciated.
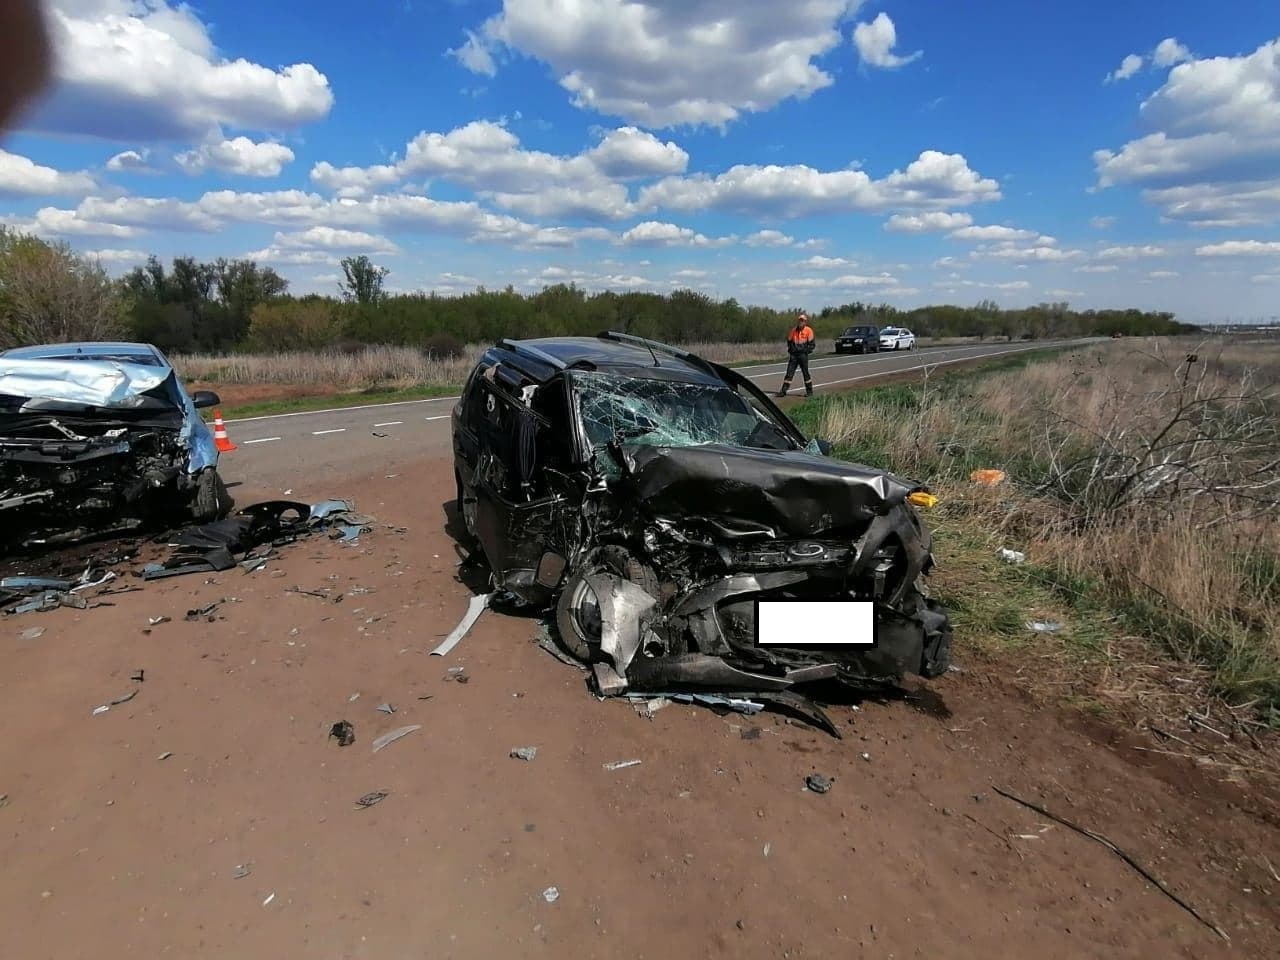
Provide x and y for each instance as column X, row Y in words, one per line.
column 897, row 338
column 859, row 340
column 101, row 437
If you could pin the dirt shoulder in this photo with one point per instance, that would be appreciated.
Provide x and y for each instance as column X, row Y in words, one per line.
column 710, row 847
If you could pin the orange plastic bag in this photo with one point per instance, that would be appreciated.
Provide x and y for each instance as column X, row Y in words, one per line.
column 988, row 478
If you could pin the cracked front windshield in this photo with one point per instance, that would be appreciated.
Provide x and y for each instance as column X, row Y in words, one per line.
column 664, row 413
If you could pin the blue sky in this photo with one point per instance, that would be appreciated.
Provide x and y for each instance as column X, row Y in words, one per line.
column 796, row 154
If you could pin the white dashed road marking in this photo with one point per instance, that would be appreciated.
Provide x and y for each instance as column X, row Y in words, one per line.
column 260, row 440
column 389, row 423
column 320, row 433
column 444, row 416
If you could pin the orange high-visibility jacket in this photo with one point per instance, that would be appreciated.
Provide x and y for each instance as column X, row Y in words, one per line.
column 799, row 341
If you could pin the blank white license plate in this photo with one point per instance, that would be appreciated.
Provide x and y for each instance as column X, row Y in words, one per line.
column 794, row 623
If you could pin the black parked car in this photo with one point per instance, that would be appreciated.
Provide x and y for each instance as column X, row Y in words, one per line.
column 859, row 340
column 652, row 497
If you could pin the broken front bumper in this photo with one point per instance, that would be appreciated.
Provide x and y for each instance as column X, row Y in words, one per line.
column 641, row 652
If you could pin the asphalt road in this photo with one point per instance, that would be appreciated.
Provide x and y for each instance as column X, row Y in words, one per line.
column 279, row 451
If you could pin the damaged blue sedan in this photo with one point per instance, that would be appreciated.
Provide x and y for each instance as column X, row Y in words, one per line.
column 98, row 438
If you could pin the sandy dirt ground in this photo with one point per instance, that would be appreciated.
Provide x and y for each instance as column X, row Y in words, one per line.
column 711, row 847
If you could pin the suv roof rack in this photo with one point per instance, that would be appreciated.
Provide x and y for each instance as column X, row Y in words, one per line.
column 516, row 346
column 657, row 346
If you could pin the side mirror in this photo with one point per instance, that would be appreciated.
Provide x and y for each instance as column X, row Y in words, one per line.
column 824, row 446
column 205, row 398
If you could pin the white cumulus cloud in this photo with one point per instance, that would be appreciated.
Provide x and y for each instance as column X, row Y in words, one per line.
column 1131, row 252
column 1212, row 153
column 992, row 232
column 240, row 156
column 328, row 238
column 145, row 70
column 875, row 42
column 935, row 222
column 653, row 233
column 934, row 180
column 769, row 238
column 660, row 64
column 1240, row 248
column 22, row 177
column 1129, row 66
column 131, row 161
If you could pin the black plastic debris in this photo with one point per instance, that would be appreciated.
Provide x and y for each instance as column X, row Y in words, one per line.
column 344, row 732
column 817, row 783
column 369, row 799
column 207, row 612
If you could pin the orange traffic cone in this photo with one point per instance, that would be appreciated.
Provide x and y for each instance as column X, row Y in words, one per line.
column 220, row 438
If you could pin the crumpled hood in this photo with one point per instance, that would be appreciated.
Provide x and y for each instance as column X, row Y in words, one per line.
column 105, row 383
column 795, row 494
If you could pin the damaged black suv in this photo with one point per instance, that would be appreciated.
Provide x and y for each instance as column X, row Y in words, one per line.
column 653, row 497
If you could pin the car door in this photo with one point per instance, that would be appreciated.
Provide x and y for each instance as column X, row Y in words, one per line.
column 519, row 515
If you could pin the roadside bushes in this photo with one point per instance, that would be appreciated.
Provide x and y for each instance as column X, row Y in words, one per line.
column 48, row 294
column 308, row 324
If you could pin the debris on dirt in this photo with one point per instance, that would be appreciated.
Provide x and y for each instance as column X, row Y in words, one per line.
column 648, row 707
column 369, row 799
column 32, row 633
column 545, row 640
column 270, row 897
column 394, row 735
column 386, row 708
column 344, row 732
column 767, row 847
column 102, row 709
column 308, row 593
column 241, row 871
column 988, row 478
column 751, row 733
column 1012, row 556
column 207, row 612
column 817, row 783
column 156, row 621
column 1044, row 626
column 457, row 673
column 166, row 755
column 475, row 606
column 524, row 753
column 866, row 757
column 139, row 676
column 1099, row 838
column 4, row 800
column 125, row 698
column 622, row 764
column 736, row 704
column 551, row 894
column 254, row 564
column 36, row 584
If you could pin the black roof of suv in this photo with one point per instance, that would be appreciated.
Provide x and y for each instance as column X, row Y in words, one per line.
column 541, row 358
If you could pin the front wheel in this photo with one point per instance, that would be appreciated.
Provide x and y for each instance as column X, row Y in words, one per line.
column 211, row 501
column 578, row 619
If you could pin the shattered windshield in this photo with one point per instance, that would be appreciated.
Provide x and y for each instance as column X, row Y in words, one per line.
column 669, row 413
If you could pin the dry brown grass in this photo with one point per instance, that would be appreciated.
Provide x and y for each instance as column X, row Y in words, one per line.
column 376, row 367
column 397, row 368
column 1140, row 486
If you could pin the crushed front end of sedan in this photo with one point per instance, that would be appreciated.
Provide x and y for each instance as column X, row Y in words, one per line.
column 653, row 498
column 99, row 438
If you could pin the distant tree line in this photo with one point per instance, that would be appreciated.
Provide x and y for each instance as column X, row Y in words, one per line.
column 47, row 292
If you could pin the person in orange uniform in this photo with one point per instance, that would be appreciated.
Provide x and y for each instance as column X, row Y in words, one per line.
column 800, row 343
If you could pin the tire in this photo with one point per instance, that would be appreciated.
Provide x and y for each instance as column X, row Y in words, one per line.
column 212, row 501
column 468, row 539
column 574, row 625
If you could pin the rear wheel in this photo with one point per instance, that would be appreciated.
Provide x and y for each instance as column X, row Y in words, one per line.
column 466, row 515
